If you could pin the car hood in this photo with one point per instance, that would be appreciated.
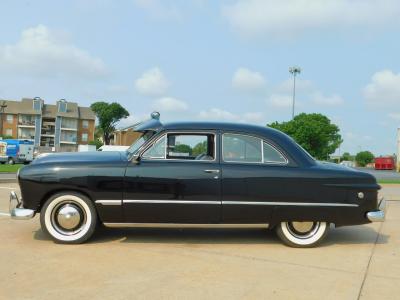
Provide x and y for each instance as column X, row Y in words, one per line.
column 95, row 156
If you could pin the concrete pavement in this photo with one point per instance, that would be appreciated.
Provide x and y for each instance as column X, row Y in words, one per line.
column 354, row 262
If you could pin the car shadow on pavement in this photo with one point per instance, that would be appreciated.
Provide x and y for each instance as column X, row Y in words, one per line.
column 187, row 235
column 343, row 235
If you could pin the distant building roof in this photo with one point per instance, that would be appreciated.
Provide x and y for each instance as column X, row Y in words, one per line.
column 86, row 113
column 26, row 106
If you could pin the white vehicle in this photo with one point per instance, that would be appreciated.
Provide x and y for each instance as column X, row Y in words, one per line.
column 84, row 148
column 113, row 148
column 3, row 152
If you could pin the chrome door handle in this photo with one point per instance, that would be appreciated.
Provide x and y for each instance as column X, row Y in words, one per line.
column 211, row 171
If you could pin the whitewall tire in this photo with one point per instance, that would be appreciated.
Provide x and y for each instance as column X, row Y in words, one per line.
column 302, row 234
column 69, row 218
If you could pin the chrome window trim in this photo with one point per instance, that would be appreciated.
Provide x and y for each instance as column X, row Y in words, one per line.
column 262, row 162
column 177, row 159
column 277, row 150
column 152, row 145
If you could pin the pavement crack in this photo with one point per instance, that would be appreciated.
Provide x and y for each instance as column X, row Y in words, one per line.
column 369, row 261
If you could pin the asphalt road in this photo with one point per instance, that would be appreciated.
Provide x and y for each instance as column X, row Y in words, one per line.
column 382, row 174
column 354, row 262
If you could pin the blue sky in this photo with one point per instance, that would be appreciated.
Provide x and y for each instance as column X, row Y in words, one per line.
column 213, row 60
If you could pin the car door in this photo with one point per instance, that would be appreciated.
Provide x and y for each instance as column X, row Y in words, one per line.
column 253, row 172
column 176, row 180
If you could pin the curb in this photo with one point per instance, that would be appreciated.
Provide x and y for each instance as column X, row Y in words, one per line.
column 8, row 180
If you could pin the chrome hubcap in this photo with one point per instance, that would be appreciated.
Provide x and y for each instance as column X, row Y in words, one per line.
column 303, row 230
column 68, row 217
column 302, row 226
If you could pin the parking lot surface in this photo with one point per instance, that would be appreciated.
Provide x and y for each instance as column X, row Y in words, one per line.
column 353, row 262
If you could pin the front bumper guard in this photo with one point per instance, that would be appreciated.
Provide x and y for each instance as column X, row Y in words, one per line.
column 17, row 212
column 380, row 214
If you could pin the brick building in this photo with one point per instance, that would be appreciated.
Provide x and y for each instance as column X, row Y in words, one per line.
column 61, row 126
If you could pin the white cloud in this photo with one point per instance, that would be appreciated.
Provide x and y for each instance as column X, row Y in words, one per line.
column 246, row 79
column 43, row 52
column 254, row 117
column 302, row 85
column 216, row 114
column 280, row 101
column 132, row 119
column 394, row 116
column 152, row 83
column 169, row 104
column 320, row 99
column 159, row 10
column 384, row 88
column 290, row 17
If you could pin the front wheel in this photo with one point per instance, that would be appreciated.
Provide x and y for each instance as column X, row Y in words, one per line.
column 302, row 234
column 69, row 218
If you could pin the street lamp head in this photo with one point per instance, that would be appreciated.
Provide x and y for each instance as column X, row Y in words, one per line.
column 295, row 70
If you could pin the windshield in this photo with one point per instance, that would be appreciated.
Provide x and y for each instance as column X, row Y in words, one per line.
column 133, row 149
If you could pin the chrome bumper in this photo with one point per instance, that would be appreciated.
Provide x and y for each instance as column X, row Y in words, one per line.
column 379, row 215
column 16, row 211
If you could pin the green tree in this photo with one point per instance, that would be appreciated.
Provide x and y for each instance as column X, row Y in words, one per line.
column 314, row 132
column 183, row 148
column 108, row 114
column 98, row 143
column 6, row 137
column 364, row 157
column 200, row 148
column 346, row 156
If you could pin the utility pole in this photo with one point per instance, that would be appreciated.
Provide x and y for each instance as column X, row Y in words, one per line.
column 294, row 71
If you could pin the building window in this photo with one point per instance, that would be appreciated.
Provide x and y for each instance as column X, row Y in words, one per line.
column 62, row 106
column 37, row 104
column 68, row 136
column 85, row 124
column 10, row 119
column 26, row 133
column 9, row 132
column 26, row 120
column 84, row 137
column 69, row 123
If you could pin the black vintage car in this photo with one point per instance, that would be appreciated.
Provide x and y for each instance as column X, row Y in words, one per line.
column 197, row 174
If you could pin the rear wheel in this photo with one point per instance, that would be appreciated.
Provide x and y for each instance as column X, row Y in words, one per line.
column 302, row 234
column 69, row 218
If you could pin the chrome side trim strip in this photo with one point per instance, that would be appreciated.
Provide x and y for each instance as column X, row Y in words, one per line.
column 131, row 201
column 184, row 225
column 171, row 201
column 287, row 203
column 109, row 202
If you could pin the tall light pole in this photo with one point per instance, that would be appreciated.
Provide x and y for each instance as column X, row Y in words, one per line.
column 294, row 71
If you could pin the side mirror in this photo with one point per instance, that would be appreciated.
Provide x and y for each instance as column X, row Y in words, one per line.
column 136, row 158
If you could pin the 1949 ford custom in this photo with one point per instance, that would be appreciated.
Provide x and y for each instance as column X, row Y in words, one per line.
column 188, row 174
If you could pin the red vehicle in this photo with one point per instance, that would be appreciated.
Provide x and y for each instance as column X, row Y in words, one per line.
column 384, row 163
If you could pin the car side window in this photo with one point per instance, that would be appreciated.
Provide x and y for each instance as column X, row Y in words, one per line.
column 249, row 149
column 157, row 151
column 183, row 146
column 241, row 148
column 190, row 146
column 272, row 155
